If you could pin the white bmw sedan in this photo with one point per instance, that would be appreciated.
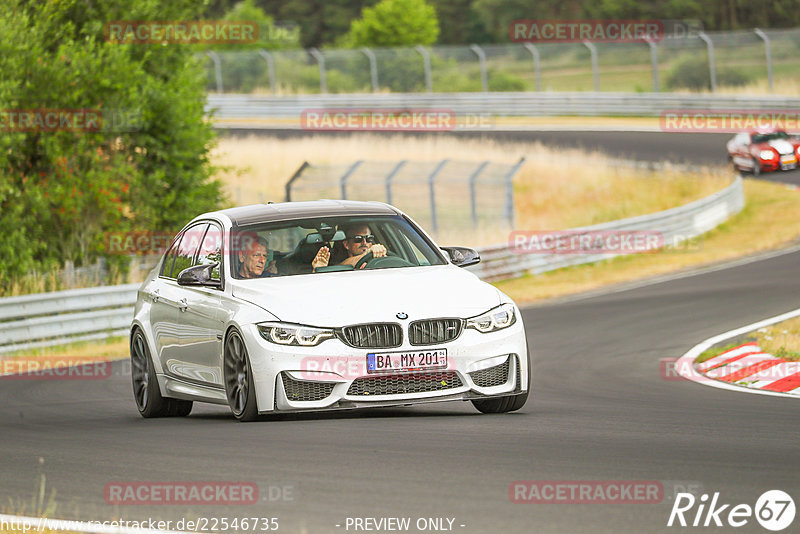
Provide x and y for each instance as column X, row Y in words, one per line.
column 319, row 306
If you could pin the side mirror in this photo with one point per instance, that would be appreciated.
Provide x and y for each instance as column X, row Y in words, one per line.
column 199, row 275
column 462, row 256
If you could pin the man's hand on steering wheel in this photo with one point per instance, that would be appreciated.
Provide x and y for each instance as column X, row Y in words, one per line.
column 375, row 251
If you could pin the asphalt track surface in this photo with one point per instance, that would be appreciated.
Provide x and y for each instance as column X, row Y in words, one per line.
column 600, row 410
column 686, row 148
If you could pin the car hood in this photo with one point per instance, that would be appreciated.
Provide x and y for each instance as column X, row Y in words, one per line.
column 352, row 297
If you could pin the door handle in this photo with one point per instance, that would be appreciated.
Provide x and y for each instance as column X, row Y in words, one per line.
column 183, row 305
column 154, row 295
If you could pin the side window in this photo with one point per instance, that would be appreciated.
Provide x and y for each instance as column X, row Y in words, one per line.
column 211, row 249
column 187, row 249
column 169, row 258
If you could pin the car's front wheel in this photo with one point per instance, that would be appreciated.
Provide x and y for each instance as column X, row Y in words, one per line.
column 145, row 386
column 239, row 385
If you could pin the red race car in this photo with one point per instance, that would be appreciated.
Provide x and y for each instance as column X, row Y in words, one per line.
column 764, row 150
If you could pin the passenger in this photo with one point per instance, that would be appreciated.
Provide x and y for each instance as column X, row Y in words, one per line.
column 253, row 257
column 358, row 242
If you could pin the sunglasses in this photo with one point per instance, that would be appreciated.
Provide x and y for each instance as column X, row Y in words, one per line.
column 369, row 238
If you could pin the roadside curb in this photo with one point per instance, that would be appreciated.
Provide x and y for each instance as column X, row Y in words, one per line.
column 686, row 368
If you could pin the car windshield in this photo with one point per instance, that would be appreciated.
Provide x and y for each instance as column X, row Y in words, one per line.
column 772, row 136
column 291, row 247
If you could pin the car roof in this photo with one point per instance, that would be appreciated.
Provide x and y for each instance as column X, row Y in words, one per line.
column 282, row 211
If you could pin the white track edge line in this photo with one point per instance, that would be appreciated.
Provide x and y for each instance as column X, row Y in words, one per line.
column 38, row 524
column 685, row 366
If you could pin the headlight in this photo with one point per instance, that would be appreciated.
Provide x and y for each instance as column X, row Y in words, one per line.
column 294, row 334
column 798, row 150
column 766, row 154
column 495, row 319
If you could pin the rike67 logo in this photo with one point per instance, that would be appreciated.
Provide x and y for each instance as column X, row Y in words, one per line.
column 774, row 510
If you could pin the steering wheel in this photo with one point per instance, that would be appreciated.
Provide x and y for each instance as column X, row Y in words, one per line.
column 390, row 260
column 363, row 261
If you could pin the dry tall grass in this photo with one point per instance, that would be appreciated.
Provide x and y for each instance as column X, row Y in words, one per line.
column 555, row 189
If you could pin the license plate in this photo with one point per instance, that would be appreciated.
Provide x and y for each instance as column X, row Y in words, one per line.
column 415, row 360
column 787, row 160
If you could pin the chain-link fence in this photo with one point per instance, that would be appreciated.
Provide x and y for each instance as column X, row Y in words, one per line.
column 442, row 196
column 706, row 61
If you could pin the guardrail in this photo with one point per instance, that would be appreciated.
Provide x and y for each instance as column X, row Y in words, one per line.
column 48, row 319
column 675, row 224
column 235, row 110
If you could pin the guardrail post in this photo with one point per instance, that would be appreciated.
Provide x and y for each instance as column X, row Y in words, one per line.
column 270, row 68
column 472, row 204
column 595, row 74
column 294, row 177
column 346, row 176
column 431, row 183
column 482, row 60
column 712, row 65
column 426, row 61
column 654, row 63
column 768, row 52
column 373, row 67
column 323, row 83
column 217, row 68
column 510, row 191
column 389, row 178
column 537, row 68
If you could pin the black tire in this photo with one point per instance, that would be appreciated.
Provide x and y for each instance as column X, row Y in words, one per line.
column 146, row 394
column 509, row 403
column 239, row 379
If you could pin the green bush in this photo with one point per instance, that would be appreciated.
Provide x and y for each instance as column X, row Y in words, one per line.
column 505, row 81
column 62, row 190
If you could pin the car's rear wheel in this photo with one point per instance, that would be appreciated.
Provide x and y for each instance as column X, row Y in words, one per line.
column 145, row 385
column 509, row 403
column 239, row 386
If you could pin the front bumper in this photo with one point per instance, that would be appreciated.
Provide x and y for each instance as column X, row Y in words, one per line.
column 334, row 375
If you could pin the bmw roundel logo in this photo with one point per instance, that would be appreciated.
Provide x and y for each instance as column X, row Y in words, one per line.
column 402, row 315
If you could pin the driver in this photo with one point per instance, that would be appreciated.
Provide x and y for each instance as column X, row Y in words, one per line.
column 253, row 258
column 358, row 242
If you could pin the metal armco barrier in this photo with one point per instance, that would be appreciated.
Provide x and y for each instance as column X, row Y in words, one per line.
column 48, row 319
column 681, row 223
column 235, row 110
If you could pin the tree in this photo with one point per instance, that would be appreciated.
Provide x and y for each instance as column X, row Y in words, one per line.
column 395, row 23
column 145, row 167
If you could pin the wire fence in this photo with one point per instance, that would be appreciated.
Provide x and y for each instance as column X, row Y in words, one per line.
column 444, row 195
column 705, row 61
